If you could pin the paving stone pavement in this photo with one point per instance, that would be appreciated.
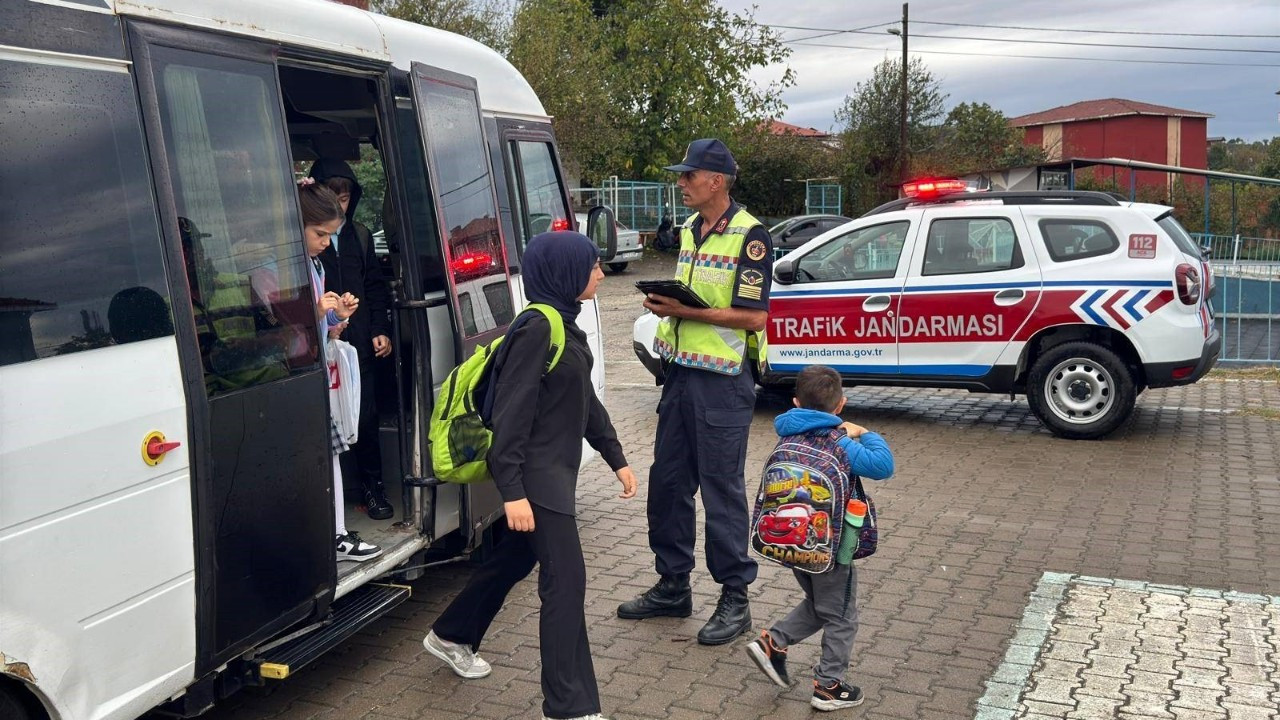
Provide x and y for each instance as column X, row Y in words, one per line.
column 984, row 507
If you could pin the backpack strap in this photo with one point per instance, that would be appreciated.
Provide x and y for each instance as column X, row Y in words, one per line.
column 556, row 348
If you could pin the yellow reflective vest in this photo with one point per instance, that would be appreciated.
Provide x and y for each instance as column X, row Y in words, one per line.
column 710, row 269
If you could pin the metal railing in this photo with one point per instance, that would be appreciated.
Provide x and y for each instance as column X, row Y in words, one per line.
column 636, row 204
column 1246, row 296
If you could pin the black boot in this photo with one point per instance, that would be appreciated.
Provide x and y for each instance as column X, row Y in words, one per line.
column 671, row 597
column 375, row 501
column 731, row 618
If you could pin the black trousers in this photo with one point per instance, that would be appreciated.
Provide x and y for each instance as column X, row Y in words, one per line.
column 704, row 418
column 568, row 677
column 364, row 459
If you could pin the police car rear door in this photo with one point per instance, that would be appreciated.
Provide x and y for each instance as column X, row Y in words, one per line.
column 841, row 310
column 973, row 281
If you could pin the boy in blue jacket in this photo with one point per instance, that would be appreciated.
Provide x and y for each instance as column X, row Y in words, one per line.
column 830, row 598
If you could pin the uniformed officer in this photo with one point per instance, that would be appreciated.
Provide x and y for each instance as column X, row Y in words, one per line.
column 707, row 398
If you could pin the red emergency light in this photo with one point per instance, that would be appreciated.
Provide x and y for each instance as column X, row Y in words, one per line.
column 559, row 224
column 932, row 188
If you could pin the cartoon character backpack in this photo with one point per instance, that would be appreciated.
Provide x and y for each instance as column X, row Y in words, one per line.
column 799, row 517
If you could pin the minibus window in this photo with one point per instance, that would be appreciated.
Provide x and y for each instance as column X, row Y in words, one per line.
column 539, row 197
column 430, row 257
column 464, row 188
column 241, row 237
column 82, row 263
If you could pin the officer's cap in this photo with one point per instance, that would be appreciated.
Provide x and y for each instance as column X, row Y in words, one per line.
column 707, row 154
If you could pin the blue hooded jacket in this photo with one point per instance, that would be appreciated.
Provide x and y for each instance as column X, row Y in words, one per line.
column 870, row 458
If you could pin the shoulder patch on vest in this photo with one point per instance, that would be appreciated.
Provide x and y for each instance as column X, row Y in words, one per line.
column 756, row 250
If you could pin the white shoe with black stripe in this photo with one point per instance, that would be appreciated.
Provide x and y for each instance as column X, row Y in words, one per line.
column 351, row 547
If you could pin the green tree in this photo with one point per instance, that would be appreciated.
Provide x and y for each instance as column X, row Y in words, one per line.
column 680, row 70
column 871, row 121
column 485, row 21
column 1247, row 158
column 1270, row 164
column 558, row 46
column 772, row 170
column 977, row 137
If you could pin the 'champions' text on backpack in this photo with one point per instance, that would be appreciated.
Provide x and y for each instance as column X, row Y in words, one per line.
column 460, row 433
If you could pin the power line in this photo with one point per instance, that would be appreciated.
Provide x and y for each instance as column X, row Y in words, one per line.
column 1042, row 57
column 832, row 30
column 1091, row 44
column 864, row 31
column 1100, row 32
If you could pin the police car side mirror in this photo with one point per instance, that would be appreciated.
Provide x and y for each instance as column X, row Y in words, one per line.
column 784, row 272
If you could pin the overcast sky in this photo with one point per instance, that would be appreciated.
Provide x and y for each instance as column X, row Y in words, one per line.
column 1243, row 100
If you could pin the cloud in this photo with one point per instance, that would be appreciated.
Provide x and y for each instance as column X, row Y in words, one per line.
column 1242, row 99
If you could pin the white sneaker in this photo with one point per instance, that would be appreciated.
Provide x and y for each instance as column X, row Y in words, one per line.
column 465, row 663
column 351, row 547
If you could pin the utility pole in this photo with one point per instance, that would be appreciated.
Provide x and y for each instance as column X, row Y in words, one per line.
column 902, row 121
column 902, row 117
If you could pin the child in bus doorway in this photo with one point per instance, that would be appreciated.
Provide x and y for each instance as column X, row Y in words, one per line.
column 351, row 266
column 830, row 601
column 539, row 422
column 321, row 217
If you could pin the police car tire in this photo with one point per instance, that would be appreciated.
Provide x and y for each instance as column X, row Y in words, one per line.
column 1102, row 374
column 618, row 267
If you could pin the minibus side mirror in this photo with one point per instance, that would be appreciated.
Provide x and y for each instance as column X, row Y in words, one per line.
column 603, row 231
column 784, row 272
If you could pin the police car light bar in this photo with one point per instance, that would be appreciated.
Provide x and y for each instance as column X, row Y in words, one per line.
column 932, row 188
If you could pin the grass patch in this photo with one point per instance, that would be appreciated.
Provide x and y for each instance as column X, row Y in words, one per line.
column 1251, row 373
column 1262, row 412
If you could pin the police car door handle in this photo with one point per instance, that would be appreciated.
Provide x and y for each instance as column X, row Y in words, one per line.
column 876, row 303
column 1012, row 296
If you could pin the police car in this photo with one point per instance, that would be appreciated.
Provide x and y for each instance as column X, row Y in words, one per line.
column 1078, row 300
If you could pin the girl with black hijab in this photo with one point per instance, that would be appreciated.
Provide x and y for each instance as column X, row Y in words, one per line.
column 539, row 422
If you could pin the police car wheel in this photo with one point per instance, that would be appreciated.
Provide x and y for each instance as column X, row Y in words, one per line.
column 1080, row 390
column 618, row 267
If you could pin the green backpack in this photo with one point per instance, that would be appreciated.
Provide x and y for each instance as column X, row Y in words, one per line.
column 459, row 433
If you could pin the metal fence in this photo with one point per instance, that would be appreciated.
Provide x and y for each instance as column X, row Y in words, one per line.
column 1246, row 296
column 823, row 199
column 636, row 204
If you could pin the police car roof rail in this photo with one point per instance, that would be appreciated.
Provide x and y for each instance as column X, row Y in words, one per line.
column 1009, row 197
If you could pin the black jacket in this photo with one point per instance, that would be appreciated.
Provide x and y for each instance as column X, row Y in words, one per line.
column 353, row 268
column 539, row 421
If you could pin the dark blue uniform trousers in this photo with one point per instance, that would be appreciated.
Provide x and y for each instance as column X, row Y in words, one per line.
column 703, row 421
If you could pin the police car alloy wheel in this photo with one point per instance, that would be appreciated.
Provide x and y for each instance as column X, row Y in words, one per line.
column 1080, row 390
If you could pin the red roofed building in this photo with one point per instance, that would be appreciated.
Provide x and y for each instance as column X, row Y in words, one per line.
column 1116, row 128
column 777, row 127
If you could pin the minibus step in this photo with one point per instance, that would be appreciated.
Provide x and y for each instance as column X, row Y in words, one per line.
column 347, row 617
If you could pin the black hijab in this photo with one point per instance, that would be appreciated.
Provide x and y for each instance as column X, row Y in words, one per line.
column 557, row 268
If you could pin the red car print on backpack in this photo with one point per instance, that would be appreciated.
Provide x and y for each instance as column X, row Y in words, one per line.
column 795, row 524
